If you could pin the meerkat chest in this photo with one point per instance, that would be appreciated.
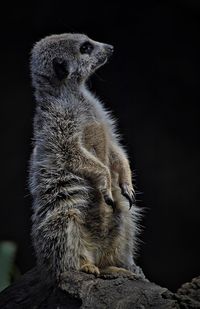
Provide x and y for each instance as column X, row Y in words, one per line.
column 95, row 140
column 95, row 135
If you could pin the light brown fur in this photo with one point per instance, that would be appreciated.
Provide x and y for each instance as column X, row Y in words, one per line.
column 95, row 139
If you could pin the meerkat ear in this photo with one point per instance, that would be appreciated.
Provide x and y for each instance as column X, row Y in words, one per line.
column 60, row 67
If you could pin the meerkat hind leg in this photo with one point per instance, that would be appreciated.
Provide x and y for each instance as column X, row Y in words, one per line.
column 89, row 267
column 117, row 271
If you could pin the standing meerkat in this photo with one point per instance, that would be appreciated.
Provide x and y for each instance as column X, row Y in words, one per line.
column 79, row 177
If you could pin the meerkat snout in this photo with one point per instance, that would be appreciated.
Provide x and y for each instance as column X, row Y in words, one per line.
column 109, row 49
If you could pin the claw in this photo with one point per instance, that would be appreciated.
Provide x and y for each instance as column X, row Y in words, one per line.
column 109, row 201
column 130, row 196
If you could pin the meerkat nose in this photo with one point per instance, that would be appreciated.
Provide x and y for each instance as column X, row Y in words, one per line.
column 109, row 49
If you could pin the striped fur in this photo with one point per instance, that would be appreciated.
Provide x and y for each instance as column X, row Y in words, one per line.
column 77, row 159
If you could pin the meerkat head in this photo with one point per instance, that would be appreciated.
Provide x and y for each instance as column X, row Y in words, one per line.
column 59, row 58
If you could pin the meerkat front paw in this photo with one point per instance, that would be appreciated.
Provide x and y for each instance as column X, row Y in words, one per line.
column 90, row 269
column 109, row 200
column 105, row 189
column 128, row 191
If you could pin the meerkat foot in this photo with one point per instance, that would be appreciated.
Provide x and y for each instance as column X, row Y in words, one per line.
column 117, row 271
column 90, row 269
column 128, row 191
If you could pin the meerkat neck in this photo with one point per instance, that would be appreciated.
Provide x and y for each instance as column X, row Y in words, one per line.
column 70, row 92
column 46, row 88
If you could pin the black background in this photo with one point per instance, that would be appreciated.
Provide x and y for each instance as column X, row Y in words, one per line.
column 152, row 86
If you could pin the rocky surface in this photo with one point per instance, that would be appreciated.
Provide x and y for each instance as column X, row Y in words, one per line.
column 80, row 290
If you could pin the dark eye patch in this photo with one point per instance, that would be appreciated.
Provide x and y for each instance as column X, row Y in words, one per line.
column 86, row 48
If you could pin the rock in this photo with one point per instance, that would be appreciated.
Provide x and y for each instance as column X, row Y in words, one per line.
column 80, row 290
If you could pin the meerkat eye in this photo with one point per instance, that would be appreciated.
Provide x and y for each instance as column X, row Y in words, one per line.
column 86, row 48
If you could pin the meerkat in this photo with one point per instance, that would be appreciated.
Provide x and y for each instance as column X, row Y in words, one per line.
column 79, row 176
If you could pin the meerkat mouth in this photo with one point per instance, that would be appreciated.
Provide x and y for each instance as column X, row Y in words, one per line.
column 100, row 62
